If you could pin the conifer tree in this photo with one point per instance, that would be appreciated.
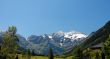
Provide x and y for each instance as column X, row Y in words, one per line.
column 9, row 45
column 51, row 56
column 97, row 56
column 79, row 53
column 33, row 53
column 28, row 54
column 106, row 48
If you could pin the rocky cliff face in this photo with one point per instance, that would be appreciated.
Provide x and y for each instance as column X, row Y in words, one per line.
column 59, row 41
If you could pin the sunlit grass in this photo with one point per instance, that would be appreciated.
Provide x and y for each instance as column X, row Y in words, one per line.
column 43, row 57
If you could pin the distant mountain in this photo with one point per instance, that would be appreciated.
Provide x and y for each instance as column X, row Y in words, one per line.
column 60, row 42
column 23, row 43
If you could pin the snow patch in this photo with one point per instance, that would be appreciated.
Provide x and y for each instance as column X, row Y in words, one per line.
column 50, row 37
column 61, row 44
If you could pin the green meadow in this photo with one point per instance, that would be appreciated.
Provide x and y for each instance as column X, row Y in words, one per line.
column 43, row 57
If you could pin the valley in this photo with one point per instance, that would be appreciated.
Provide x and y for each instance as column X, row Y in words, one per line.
column 59, row 45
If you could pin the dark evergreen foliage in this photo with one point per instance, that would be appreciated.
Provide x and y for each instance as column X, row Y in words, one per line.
column 33, row 53
column 106, row 48
column 97, row 37
column 79, row 54
column 16, row 57
column 51, row 56
column 97, row 55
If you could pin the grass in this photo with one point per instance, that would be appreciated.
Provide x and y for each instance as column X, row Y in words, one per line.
column 43, row 57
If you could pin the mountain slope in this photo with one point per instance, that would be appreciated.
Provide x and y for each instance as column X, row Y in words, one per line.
column 98, row 37
column 60, row 42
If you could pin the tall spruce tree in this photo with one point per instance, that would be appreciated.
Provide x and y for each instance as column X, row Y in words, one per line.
column 79, row 53
column 28, row 54
column 33, row 53
column 51, row 56
column 97, row 55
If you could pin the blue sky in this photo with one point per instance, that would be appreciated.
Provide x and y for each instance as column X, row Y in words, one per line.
column 46, row 16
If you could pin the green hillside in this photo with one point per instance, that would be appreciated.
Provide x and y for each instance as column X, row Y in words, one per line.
column 94, row 45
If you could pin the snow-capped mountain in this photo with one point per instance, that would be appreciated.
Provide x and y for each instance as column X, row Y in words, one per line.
column 60, row 42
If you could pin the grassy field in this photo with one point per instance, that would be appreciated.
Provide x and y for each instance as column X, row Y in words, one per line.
column 43, row 57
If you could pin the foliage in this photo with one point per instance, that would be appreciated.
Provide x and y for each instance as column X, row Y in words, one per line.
column 95, row 38
column 78, row 53
column 28, row 54
column 106, row 47
column 87, row 53
column 12, row 30
column 33, row 53
column 51, row 56
column 97, row 56
column 9, row 45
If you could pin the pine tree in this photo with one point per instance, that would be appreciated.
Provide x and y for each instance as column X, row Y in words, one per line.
column 97, row 56
column 106, row 48
column 33, row 53
column 79, row 54
column 51, row 56
column 9, row 45
column 28, row 54
column 16, row 57
column 23, row 54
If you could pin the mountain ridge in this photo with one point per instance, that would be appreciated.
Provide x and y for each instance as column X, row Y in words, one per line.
column 59, row 41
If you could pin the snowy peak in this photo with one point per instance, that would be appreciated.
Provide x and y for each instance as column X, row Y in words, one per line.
column 74, row 35
column 71, row 34
column 59, row 41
